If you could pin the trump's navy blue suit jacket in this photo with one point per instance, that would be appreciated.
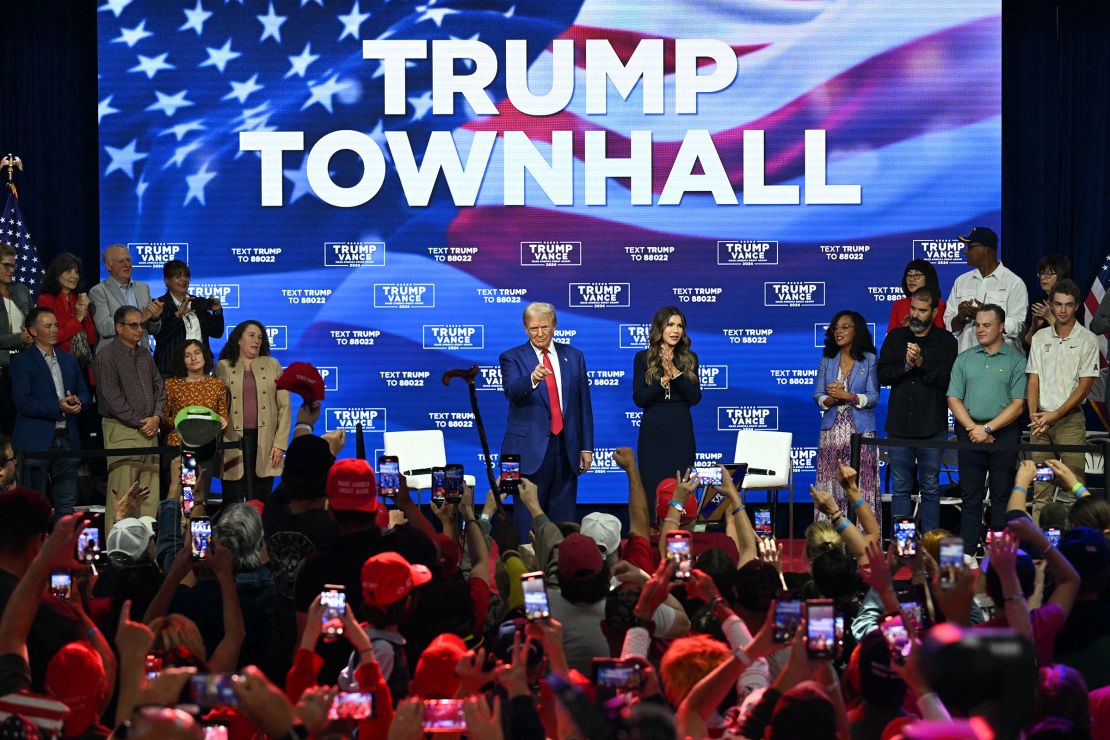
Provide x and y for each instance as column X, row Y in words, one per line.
column 529, row 424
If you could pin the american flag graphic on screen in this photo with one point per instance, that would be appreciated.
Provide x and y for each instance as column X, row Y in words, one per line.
column 908, row 95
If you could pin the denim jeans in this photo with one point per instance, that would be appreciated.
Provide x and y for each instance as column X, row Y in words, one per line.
column 928, row 470
column 55, row 479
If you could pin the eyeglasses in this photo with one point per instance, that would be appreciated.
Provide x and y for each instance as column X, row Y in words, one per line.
column 1047, row 273
column 914, row 275
column 131, row 324
column 845, row 327
column 8, row 265
column 4, row 460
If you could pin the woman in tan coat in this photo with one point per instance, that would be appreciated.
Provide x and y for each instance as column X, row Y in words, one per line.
column 260, row 413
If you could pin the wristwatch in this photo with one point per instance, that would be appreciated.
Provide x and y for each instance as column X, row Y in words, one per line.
column 648, row 624
column 987, row 428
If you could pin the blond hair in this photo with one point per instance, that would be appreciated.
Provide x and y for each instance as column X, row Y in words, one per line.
column 820, row 536
column 687, row 661
column 173, row 631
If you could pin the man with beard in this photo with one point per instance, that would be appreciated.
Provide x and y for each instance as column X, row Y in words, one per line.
column 916, row 362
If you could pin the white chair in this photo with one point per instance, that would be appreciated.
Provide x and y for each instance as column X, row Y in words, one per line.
column 419, row 450
column 770, row 451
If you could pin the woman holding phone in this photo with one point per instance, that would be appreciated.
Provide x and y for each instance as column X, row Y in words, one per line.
column 665, row 385
column 846, row 390
column 260, row 413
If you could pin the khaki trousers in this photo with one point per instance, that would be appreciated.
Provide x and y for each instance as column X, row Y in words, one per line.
column 125, row 470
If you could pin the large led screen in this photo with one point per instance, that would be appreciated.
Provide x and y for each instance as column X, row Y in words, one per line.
column 386, row 184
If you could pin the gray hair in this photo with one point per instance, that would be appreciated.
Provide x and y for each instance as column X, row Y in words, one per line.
column 538, row 309
column 109, row 248
column 239, row 529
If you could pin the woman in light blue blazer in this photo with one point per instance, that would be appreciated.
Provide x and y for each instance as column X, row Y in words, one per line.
column 846, row 390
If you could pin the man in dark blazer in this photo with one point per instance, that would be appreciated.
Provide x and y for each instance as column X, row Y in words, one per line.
column 49, row 392
column 555, row 441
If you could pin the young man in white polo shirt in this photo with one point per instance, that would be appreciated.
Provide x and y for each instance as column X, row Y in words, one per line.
column 988, row 282
column 1063, row 363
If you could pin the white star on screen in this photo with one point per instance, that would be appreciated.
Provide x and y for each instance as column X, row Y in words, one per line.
column 196, row 183
column 124, row 159
column 195, row 18
column 352, row 22
column 181, row 129
column 436, row 15
column 421, row 105
column 271, row 25
column 169, row 104
column 300, row 62
column 132, row 36
column 151, row 66
column 114, row 6
column 104, row 108
column 219, row 58
column 242, row 90
column 181, row 152
column 323, row 92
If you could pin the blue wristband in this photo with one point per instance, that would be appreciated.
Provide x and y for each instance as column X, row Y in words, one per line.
column 678, row 505
column 858, row 504
column 842, row 527
column 738, row 509
column 1023, row 489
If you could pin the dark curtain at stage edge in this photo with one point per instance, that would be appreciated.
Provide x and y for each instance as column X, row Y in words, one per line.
column 1056, row 135
column 48, row 117
column 1055, row 131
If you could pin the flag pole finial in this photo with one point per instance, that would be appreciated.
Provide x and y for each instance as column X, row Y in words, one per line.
column 12, row 163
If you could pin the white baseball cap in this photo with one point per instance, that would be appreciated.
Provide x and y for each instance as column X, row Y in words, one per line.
column 131, row 536
column 605, row 530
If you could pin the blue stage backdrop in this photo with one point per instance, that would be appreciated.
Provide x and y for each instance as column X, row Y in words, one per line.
column 760, row 164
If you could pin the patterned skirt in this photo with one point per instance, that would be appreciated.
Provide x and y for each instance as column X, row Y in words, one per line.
column 835, row 445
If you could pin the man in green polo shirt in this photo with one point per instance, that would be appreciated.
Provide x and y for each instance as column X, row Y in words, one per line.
column 986, row 395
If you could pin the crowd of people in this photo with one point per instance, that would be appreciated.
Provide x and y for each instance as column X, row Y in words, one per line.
column 324, row 608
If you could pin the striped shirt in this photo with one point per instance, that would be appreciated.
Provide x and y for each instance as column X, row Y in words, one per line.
column 128, row 385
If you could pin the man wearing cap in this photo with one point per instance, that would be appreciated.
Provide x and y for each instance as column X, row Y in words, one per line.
column 551, row 423
column 49, row 392
column 988, row 282
column 388, row 581
column 363, row 523
column 1063, row 364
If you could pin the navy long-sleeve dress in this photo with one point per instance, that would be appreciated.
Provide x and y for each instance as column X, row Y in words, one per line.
column 666, row 442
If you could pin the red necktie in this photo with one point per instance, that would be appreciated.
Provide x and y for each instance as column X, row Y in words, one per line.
column 553, row 394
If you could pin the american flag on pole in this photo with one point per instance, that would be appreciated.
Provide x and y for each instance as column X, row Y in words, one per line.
column 1094, row 298
column 13, row 231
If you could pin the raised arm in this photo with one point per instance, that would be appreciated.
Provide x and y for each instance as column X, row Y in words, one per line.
column 638, row 518
column 225, row 658
column 855, row 541
column 746, row 539
column 849, row 479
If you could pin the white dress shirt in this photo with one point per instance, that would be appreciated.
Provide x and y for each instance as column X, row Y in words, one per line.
column 1002, row 288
